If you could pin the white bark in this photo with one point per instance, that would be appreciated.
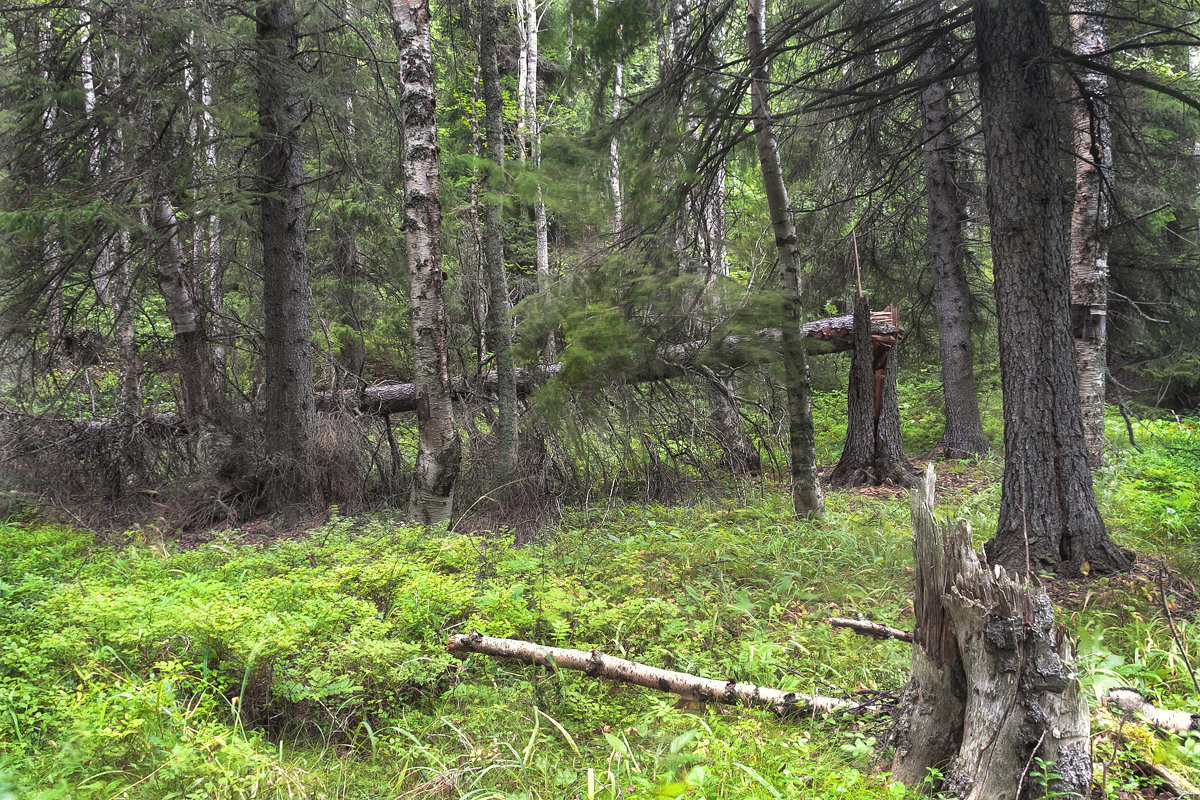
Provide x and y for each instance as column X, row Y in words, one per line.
column 1091, row 221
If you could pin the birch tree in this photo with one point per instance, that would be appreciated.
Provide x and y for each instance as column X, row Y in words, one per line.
column 1090, row 219
column 439, row 447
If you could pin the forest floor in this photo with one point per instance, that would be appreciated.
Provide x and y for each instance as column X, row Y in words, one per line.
column 245, row 664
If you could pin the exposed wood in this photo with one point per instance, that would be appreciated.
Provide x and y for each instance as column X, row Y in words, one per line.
column 872, row 629
column 600, row 665
column 1020, row 698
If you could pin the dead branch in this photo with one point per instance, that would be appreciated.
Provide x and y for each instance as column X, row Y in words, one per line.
column 690, row 687
column 872, row 629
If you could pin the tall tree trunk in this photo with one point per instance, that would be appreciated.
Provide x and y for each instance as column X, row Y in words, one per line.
column 1048, row 514
column 1090, row 221
column 614, row 150
column 499, row 304
column 806, row 487
column 206, row 243
column 963, row 436
column 439, row 448
column 533, row 130
column 290, row 410
column 52, row 262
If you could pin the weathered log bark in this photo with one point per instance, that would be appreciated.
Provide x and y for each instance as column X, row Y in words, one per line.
column 963, row 435
column 439, row 447
column 873, row 452
column 823, row 336
column 690, row 687
column 1090, row 220
column 1048, row 513
column 802, row 458
column 1019, row 698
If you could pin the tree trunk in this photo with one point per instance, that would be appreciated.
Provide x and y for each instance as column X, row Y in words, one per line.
column 197, row 378
column 439, row 448
column 533, row 129
column 1048, row 514
column 1090, row 221
column 963, row 436
column 873, row 452
column 993, row 685
column 499, row 325
column 614, row 151
column 806, row 488
column 287, row 333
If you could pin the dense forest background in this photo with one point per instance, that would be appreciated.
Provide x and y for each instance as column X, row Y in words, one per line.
column 205, row 203
column 353, row 355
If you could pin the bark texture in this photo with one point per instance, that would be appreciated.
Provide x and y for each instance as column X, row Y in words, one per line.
column 193, row 361
column 439, row 447
column 963, row 436
column 1048, row 514
column 598, row 664
column 499, row 324
column 873, row 452
column 1091, row 221
column 290, row 412
column 993, row 685
column 806, row 488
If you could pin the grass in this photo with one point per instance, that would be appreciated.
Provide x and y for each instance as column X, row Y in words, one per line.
column 316, row 667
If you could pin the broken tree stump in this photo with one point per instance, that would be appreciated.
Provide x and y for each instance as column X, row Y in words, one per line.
column 990, row 667
column 873, row 452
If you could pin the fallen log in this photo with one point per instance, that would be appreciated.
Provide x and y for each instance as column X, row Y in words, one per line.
column 690, row 687
column 1131, row 701
column 822, row 336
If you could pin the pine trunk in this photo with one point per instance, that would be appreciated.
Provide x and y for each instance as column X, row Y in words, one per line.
column 963, row 436
column 290, row 410
column 1090, row 221
column 499, row 326
column 1048, row 513
column 439, row 448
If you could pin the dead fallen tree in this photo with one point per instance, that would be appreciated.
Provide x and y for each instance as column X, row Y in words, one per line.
column 822, row 336
column 1131, row 701
column 872, row 629
column 687, row 686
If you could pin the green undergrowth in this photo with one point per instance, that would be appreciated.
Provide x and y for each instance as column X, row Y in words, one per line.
column 317, row 667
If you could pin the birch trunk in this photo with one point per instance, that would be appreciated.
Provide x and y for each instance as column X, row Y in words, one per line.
column 1091, row 221
column 806, row 487
column 1048, row 513
column 533, row 129
column 614, row 150
column 439, row 448
column 290, row 404
column 963, row 436
column 499, row 305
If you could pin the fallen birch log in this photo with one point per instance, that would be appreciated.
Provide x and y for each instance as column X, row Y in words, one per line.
column 1131, row 701
column 690, row 687
column 872, row 629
